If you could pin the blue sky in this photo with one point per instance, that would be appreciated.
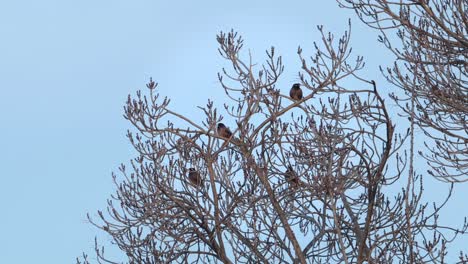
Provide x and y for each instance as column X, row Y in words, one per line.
column 66, row 68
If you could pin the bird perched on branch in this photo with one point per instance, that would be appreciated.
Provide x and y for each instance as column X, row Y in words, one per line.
column 291, row 176
column 223, row 131
column 194, row 177
column 296, row 92
column 436, row 91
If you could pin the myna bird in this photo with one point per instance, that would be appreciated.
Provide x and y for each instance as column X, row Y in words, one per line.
column 296, row 92
column 223, row 131
column 194, row 177
column 291, row 176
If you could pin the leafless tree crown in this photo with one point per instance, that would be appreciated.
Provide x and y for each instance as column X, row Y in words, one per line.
column 296, row 180
column 431, row 68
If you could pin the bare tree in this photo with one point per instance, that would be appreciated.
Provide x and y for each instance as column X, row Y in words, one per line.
column 431, row 68
column 284, row 179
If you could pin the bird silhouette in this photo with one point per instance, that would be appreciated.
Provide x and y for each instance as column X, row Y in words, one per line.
column 223, row 131
column 436, row 91
column 194, row 177
column 296, row 92
column 291, row 176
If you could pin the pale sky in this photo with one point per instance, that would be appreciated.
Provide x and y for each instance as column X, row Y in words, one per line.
column 66, row 68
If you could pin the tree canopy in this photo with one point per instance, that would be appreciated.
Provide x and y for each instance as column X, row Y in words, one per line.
column 306, row 173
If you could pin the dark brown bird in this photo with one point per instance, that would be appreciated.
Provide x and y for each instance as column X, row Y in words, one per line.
column 296, row 92
column 223, row 131
column 291, row 176
column 436, row 91
column 194, row 177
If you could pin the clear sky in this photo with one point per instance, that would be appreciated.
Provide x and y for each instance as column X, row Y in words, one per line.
column 66, row 68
